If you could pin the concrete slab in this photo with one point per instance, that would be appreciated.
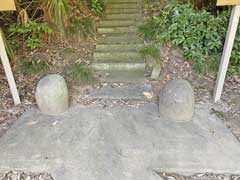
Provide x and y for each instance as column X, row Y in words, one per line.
column 123, row 92
column 120, row 143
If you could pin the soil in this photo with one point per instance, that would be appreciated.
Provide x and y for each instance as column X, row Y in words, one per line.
column 59, row 57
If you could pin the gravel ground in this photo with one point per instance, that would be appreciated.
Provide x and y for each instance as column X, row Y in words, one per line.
column 17, row 175
column 207, row 176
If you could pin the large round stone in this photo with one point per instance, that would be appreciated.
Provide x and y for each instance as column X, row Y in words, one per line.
column 176, row 101
column 52, row 95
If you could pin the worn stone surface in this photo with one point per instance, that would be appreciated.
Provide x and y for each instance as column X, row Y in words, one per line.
column 52, row 94
column 156, row 71
column 142, row 91
column 118, row 42
column 118, row 143
column 176, row 101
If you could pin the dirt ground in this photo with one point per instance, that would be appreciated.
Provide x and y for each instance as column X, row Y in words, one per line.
column 59, row 57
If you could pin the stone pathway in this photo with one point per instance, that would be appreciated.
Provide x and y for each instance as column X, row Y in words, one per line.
column 118, row 143
column 117, row 55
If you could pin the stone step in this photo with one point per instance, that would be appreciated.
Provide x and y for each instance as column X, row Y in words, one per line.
column 124, row 76
column 116, row 30
column 122, row 91
column 131, row 66
column 119, row 39
column 122, row 16
column 118, row 47
column 119, row 10
column 117, row 56
column 116, row 23
column 123, row 6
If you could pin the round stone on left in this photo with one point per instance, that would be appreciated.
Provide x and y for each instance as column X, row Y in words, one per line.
column 52, row 95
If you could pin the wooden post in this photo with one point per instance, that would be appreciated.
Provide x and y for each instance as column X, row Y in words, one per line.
column 232, row 29
column 8, row 72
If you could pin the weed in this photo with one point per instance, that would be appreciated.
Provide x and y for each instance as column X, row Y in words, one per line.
column 81, row 27
column 97, row 6
column 31, row 67
column 81, row 73
column 57, row 12
column 150, row 50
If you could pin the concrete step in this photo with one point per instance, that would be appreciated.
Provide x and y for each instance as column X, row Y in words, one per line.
column 116, row 23
column 122, row 16
column 119, row 39
column 116, row 30
column 122, row 91
column 117, row 56
column 118, row 47
column 120, row 10
column 123, row 6
column 123, row 76
column 102, row 66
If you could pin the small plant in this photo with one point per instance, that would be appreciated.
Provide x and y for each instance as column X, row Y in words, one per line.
column 81, row 73
column 81, row 27
column 31, row 67
column 150, row 50
column 97, row 6
column 32, row 33
column 56, row 11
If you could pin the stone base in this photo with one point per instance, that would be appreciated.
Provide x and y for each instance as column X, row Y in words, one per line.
column 118, row 143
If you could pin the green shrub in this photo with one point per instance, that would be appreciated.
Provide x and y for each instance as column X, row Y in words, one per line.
column 199, row 34
column 32, row 66
column 32, row 33
column 81, row 73
column 97, row 6
column 151, row 50
column 81, row 27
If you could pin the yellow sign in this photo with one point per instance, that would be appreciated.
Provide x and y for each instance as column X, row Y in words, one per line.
column 7, row 5
column 227, row 2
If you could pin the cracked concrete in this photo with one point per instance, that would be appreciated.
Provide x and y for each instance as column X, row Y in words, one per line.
column 89, row 142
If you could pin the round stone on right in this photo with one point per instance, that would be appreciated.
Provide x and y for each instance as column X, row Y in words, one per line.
column 176, row 101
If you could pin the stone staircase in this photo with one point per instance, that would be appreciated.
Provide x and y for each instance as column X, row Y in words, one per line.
column 116, row 54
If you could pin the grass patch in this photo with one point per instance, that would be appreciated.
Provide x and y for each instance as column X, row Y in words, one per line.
column 81, row 73
column 81, row 28
column 32, row 66
column 150, row 50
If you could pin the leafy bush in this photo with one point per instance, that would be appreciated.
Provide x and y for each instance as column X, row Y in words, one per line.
column 33, row 66
column 81, row 72
column 32, row 33
column 81, row 27
column 199, row 34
